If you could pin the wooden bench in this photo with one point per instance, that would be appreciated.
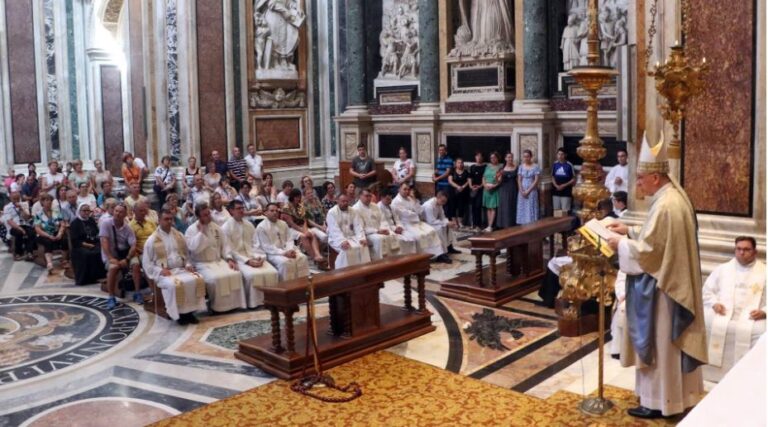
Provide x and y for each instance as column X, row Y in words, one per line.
column 358, row 323
column 524, row 267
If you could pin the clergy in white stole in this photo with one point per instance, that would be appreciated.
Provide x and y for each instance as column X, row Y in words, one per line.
column 734, row 308
column 434, row 215
column 408, row 211
column 274, row 238
column 166, row 261
column 665, row 336
column 391, row 222
column 382, row 242
column 346, row 235
column 209, row 252
column 250, row 259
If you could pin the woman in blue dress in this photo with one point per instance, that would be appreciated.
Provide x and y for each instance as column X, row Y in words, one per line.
column 528, row 194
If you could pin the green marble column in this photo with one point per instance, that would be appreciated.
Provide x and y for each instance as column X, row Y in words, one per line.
column 536, row 84
column 429, row 68
column 355, row 59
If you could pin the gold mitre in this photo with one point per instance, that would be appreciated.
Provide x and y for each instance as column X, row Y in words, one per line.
column 653, row 159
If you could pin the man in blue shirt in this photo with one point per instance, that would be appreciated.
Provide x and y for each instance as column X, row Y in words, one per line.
column 563, row 179
column 443, row 167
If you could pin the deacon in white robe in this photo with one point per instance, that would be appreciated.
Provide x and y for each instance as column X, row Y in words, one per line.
column 250, row 258
column 408, row 211
column 209, row 252
column 382, row 241
column 617, row 178
column 392, row 222
column 346, row 235
column 166, row 261
column 434, row 215
column 734, row 309
column 274, row 238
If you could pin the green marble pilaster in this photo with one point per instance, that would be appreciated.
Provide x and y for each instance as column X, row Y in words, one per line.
column 429, row 68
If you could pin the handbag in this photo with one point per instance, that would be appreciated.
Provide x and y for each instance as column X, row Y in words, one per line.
column 158, row 189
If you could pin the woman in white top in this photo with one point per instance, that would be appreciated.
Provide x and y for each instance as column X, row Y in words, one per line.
column 268, row 187
column 403, row 170
column 79, row 176
column 211, row 178
column 85, row 196
column 100, row 176
column 52, row 179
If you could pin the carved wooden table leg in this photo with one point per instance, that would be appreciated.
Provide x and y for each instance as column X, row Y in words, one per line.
column 493, row 270
column 277, row 346
column 510, row 262
column 347, row 298
column 422, row 293
column 407, row 293
column 479, row 269
column 289, row 332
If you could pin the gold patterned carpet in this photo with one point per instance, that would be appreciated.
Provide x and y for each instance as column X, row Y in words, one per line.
column 399, row 391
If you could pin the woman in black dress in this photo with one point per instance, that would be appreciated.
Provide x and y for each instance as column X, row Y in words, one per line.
column 458, row 199
column 507, row 213
column 86, row 251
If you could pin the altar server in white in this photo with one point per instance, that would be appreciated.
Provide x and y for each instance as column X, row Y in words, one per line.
column 346, row 234
column 166, row 261
column 734, row 308
column 392, row 222
column 274, row 237
column 382, row 242
column 210, row 255
column 434, row 215
column 250, row 258
column 408, row 211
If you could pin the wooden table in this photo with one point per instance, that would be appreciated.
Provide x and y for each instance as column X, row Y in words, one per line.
column 524, row 267
column 358, row 323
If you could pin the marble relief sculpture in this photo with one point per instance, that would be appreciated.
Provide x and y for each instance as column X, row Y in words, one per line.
column 486, row 31
column 276, row 37
column 399, row 41
column 612, row 31
column 277, row 98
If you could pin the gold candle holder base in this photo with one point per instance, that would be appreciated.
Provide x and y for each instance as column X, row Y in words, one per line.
column 595, row 406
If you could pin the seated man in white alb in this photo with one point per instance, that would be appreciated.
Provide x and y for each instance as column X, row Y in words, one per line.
column 166, row 261
column 346, row 235
column 274, row 237
column 208, row 249
column 434, row 215
column 392, row 222
column 408, row 210
column 250, row 259
column 381, row 240
column 734, row 308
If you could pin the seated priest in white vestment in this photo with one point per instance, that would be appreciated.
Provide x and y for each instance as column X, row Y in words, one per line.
column 434, row 215
column 250, row 258
column 274, row 238
column 734, row 308
column 382, row 241
column 408, row 210
column 391, row 222
column 346, row 235
column 166, row 261
column 209, row 252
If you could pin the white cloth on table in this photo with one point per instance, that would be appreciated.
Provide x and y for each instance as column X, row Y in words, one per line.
column 380, row 245
column 346, row 226
column 243, row 246
column 408, row 212
column 275, row 240
column 434, row 215
column 208, row 251
column 392, row 222
column 180, row 290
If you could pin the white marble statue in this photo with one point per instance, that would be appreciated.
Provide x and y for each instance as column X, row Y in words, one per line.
column 486, row 31
column 612, row 32
column 399, row 40
column 276, row 37
column 569, row 43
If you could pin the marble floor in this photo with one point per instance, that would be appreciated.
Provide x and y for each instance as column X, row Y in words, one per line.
column 63, row 355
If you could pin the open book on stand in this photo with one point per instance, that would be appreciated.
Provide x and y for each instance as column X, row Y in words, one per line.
column 596, row 233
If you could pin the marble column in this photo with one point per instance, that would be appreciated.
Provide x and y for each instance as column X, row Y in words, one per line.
column 535, row 49
column 355, row 58
column 429, row 71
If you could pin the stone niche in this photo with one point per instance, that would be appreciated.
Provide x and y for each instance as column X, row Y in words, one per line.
column 277, row 80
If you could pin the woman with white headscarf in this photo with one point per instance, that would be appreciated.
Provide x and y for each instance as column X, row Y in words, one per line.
column 86, row 249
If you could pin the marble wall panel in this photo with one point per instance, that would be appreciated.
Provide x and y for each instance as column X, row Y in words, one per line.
column 23, row 87
column 719, row 130
column 112, row 118
column 277, row 134
column 210, row 77
column 136, row 55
